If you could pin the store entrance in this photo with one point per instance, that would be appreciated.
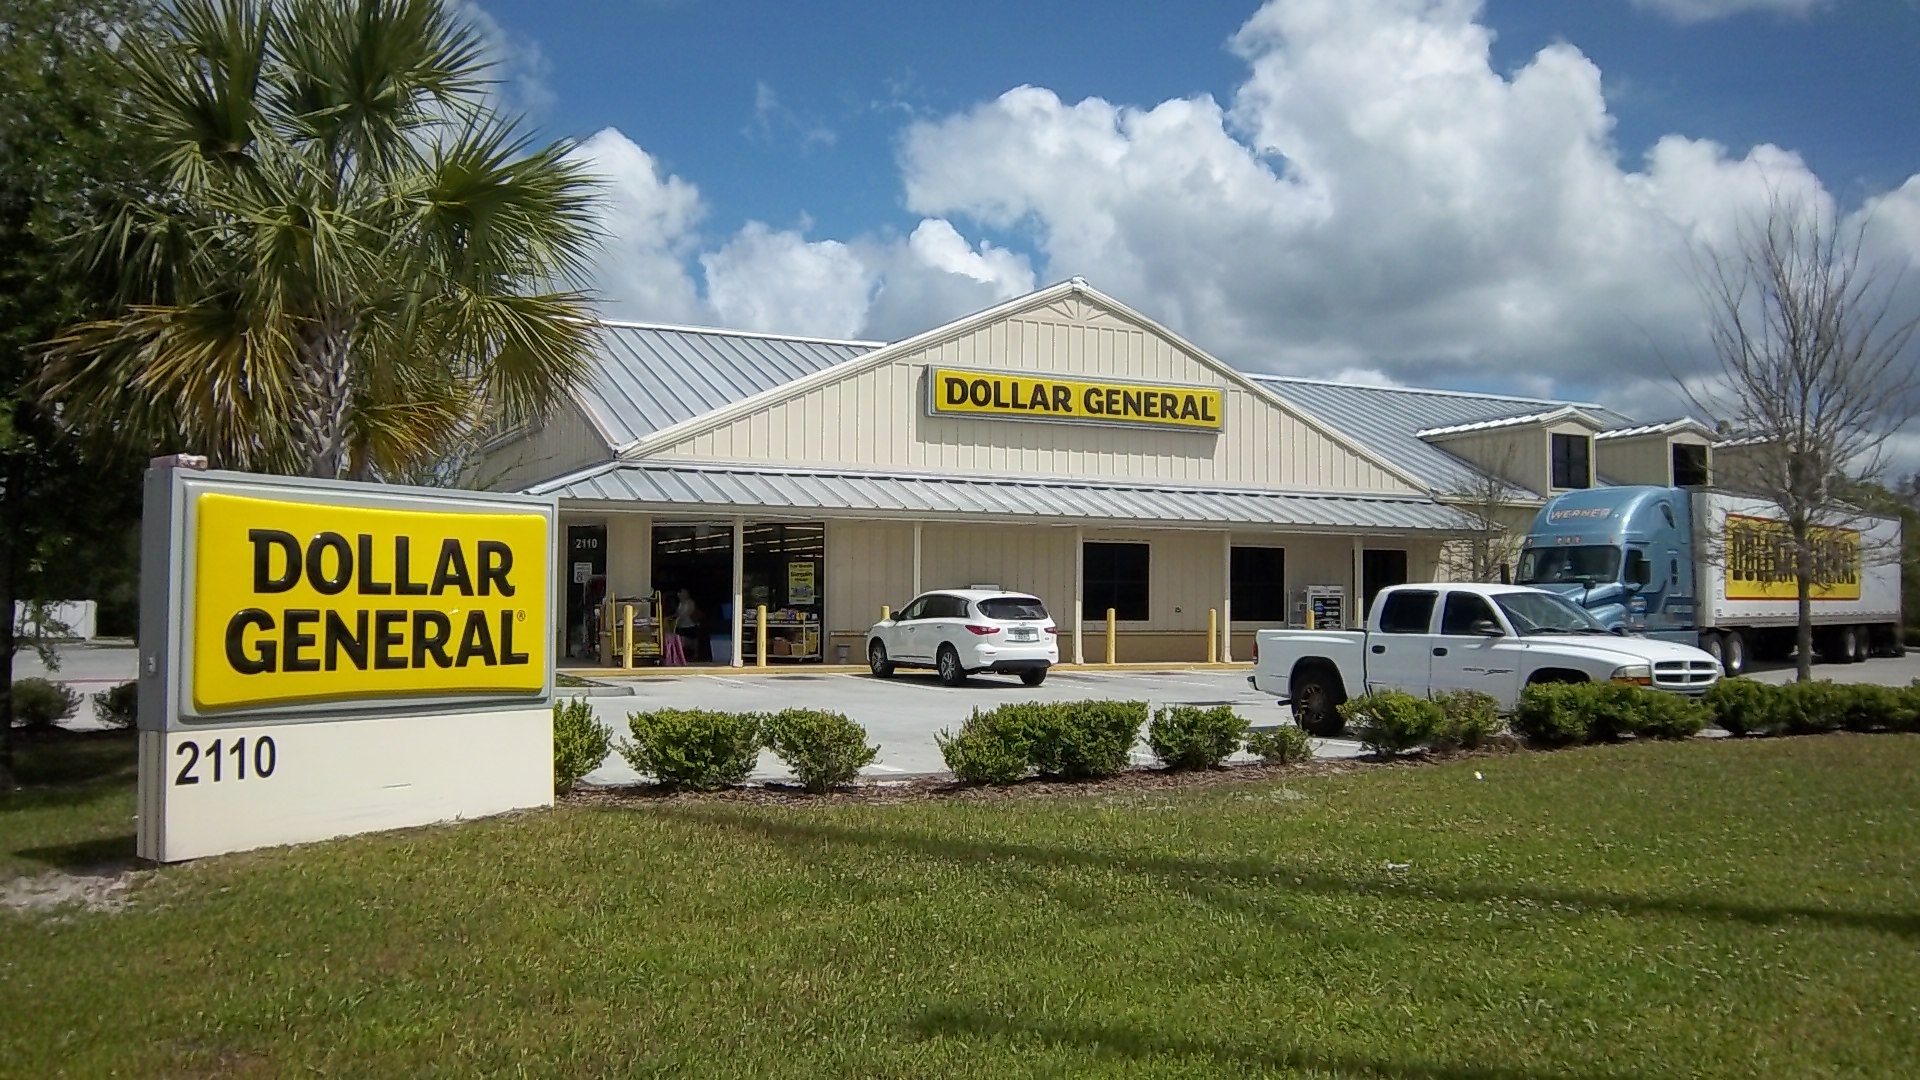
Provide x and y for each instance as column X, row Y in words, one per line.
column 784, row 564
column 586, row 586
column 693, row 572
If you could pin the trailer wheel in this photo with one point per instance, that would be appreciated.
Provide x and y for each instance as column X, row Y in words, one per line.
column 1842, row 645
column 1316, row 694
column 1736, row 649
column 1862, row 645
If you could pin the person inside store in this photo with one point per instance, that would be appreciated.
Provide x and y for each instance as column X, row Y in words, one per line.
column 686, row 623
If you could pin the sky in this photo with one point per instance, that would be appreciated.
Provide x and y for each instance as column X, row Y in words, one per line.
column 1506, row 195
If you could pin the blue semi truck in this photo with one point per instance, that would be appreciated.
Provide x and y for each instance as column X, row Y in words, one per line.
column 1715, row 570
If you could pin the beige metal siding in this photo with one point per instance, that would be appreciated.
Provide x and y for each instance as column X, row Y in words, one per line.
column 566, row 441
column 877, row 419
column 1647, row 459
column 1522, row 455
column 869, row 564
column 1032, row 559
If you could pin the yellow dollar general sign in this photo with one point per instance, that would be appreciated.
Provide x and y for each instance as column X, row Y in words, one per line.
column 298, row 602
column 1760, row 561
column 1023, row 396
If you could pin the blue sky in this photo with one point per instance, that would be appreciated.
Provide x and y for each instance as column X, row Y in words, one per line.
column 1445, row 192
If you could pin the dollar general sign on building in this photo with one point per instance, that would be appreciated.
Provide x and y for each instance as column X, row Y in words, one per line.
column 304, row 602
column 1014, row 396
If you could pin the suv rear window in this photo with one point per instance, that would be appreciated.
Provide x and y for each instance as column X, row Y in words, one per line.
column 1013, row 607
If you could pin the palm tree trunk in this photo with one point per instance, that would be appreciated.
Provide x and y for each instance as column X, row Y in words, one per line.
column 326, row 396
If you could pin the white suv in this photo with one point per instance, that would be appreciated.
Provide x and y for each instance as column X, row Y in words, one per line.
column 960, row 631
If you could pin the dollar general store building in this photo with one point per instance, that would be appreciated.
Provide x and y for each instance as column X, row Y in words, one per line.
column 1059, row 444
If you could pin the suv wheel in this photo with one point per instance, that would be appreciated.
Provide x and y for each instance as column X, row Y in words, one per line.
column 951, row 673
column 878, row 662
column 1034, row 677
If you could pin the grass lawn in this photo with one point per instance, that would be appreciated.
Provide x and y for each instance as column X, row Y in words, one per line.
column 1707, row 909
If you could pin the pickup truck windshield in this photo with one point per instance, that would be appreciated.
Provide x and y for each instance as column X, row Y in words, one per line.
column 1567, row 565
column 1544, row 613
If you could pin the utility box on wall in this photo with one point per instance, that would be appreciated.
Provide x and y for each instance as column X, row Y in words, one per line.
column 323, row 658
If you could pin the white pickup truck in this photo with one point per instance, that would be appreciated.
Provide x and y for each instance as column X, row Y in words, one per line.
column 1498, row 639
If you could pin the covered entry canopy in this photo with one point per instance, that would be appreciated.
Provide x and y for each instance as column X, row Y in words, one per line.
column 680, row 486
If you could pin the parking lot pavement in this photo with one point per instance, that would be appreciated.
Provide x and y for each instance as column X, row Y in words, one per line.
column 903, row 714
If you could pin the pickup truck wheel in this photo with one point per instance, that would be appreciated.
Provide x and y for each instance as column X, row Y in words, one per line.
column 1317, row 697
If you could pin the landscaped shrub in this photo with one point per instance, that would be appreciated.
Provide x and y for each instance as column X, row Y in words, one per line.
column 39, row 703
column 1613, row 710
column 1874, row 708
column 693, row 748
column 119, row 706
column 1813, row 708
column 1190, row 737
column 1911, row 697
column 580, row 742
column 824, row 749
column 1083, row 740
column 1285, row 744
column 1552, row 714
column 1472, row 719
column 1667, row 716
column 1745, row 707
column 989, row 748
column 1393, row 722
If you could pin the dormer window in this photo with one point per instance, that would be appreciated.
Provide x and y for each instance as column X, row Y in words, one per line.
column 1572, row 461
column 1690, row 465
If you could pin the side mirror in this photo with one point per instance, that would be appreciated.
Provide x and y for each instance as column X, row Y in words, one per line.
column 1486, row 628
column 1617, row 631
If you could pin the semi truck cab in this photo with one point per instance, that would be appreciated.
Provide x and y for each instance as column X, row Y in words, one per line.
column 1623, row 553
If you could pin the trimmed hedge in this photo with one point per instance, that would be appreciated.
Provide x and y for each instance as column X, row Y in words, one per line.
column 989, row 748
column 1472, row 719
column 824, row 749
column 580, row 743
column 119, row 706
column 39, row 703
column 695, row 749
column 1190, row 737
column 1746, row 707
column 1074, row 740
column 1286, row 744
column 1568, row 714
column 1393, row 722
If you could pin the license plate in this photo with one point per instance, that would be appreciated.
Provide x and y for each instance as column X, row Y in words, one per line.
column 1023, row 633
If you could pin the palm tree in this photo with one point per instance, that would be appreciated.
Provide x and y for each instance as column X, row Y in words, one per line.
column 347, row 262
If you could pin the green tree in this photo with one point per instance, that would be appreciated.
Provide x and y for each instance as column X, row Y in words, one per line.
column 353, row 262
column 67, row 515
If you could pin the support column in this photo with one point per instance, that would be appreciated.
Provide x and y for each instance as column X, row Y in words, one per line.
column 1079, row 596
column 739, row 589
column 1356, row 602
column 916, row 558
column 1226, row 598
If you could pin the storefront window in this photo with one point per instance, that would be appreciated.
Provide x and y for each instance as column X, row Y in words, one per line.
column 1259, row 584
column 1116, row 577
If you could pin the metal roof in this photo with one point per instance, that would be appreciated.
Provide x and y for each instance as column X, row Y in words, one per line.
column 738, row 488
column 1389, row 419
column 649, row 377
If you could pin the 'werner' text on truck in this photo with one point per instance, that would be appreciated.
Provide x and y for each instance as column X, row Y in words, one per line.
column 1715, row 570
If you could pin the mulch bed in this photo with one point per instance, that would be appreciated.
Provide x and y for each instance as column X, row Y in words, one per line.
column 911, row 789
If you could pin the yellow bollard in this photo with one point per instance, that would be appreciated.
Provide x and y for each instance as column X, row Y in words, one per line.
column 760, row 636
column 1213, row 635
column 1309, row 618
column 885, row 613
column 626, row 635
column 1109, row 635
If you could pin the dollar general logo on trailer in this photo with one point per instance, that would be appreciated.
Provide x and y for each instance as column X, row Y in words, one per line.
column 307, row 602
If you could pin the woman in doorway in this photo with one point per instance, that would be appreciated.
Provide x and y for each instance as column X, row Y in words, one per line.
column 686, row 623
